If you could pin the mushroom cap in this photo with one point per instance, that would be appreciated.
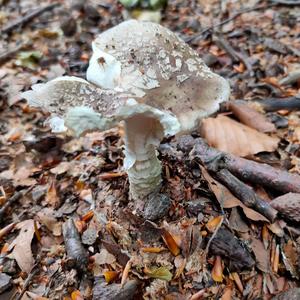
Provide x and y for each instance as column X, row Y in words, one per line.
column 136, row 68
column 151, row 64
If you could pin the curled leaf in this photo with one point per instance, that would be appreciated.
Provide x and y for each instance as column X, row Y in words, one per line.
column 110, row 276
column 159, row 273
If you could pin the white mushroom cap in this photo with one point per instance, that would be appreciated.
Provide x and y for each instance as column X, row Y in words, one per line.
column 153, row 65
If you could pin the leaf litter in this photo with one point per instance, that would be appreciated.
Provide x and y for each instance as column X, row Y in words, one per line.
column 75, row 219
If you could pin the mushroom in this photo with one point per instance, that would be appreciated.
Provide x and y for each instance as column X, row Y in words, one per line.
column 145, row 75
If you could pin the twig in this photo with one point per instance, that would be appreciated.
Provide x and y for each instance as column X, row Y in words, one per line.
column 213, row 236
column 10, row 201
column 27, row 18
column 9, row 53
column 223, row 43
column 246, row 170
column 26, row 283
column 243, row 11
column 247, row 195
column 275, row 104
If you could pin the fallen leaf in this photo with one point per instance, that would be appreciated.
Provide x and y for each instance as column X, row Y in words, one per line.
column 110, row 276
column 217, row 271
column 214, row 223
column 22, row 246
column 261, row 255
column 51, row 196
column 230, row 136
column 170, row 242
column 251, row 117
column 76, row 295
column 158, row 273
column 46, row 218
column 104, row 257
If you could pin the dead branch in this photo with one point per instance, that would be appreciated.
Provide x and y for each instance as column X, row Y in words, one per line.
column 27, row 18
column 246, row 194
column 246, row 170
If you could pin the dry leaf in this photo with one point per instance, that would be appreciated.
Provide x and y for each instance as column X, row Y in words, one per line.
column 261, row 255
column 22, row 246
column 51, row 196
column 230, row 136
column 158, row 273
column 76, row 295
column 104, row 257
column 170, row 242
column 47, row 219
column 217, row 271
column 110, row 276
column 214, row 223
column 251, row 117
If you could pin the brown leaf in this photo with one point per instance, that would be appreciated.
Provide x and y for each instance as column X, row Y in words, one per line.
column 51, row 196
column 261, row 255
column 170, row 242
column 22, row 246
column 251, row 117
column 217, row 271
column 230, row 136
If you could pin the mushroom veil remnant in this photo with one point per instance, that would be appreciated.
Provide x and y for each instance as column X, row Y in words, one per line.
column 145, row 75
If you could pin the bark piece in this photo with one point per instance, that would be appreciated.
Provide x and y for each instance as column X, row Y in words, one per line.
column 114, row 291
column 292, row 294
column 228, row 246
column 5, row 282
column 74, row 248
column 288, row 205
column 157, row 207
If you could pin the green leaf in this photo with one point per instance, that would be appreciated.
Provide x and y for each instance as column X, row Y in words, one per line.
column 129, row 3
column 159, row 273
column 28, row 59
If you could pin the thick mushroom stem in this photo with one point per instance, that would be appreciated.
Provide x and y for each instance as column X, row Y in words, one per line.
column 142, row 137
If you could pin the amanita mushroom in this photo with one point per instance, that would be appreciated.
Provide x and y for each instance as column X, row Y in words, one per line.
column 145, row 75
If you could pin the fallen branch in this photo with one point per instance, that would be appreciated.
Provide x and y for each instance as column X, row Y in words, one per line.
column 246, row 194
column 27, row 18
column 246, row 170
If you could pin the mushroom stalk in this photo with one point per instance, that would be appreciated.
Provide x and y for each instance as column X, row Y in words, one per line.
column 142, row 137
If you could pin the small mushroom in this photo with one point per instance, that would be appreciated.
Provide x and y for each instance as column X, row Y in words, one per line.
column 145, row 75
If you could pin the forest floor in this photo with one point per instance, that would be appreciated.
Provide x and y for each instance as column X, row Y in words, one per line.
column 66, row 230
